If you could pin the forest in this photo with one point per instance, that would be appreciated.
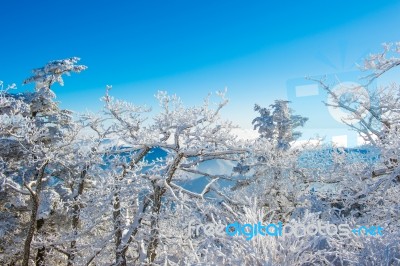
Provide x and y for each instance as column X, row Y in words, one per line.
column 127, row 185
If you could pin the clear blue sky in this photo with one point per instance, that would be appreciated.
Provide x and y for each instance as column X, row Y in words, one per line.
column 191, row 47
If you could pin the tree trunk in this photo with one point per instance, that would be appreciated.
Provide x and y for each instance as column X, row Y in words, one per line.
column 76, row 211
column 120, row 249
column 31, row 230
column 120, row 258
column 35, row 206
column 157, row 198
column 151, row 249
column 41, row 253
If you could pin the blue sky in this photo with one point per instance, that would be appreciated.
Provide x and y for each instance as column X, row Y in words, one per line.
column 191, row 47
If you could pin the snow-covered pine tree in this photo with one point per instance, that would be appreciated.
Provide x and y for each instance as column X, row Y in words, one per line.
column 278, row 123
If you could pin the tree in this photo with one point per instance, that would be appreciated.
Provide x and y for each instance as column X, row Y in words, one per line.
column 189, row 137
column 34, row 131
column 278, row 124
column 377, row 110
column 120, row 187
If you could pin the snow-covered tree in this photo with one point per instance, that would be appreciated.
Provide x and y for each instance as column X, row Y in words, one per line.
column 34, row 134
column 189, row 137
column 121, row 186
column 278, row 123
